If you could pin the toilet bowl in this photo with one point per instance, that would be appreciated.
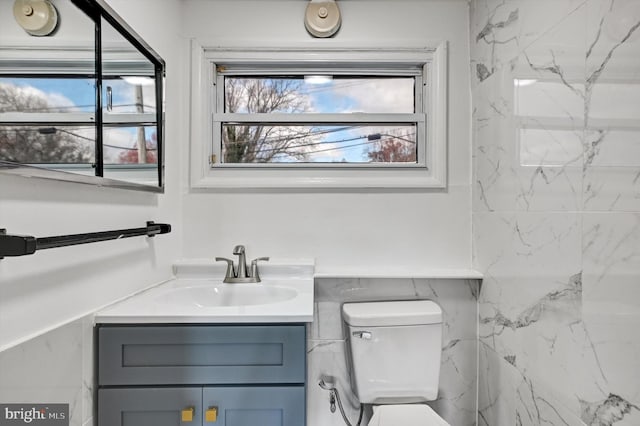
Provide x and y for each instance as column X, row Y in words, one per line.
column 394, row 351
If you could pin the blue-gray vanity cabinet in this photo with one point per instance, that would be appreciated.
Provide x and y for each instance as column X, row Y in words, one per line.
column 248, row 374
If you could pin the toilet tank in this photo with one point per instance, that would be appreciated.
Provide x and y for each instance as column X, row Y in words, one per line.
column 394, row 350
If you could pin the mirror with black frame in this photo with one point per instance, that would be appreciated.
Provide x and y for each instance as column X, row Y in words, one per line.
column 83, row 104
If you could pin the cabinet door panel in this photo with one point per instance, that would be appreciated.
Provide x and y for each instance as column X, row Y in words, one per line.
column 148, row 406
column 200, row 355
column 259, row 406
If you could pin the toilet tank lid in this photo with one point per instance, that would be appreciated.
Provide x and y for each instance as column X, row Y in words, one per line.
column 386, row 314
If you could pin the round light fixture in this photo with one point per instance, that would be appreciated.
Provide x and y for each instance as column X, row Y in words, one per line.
column 36, row 17
column 322, row 18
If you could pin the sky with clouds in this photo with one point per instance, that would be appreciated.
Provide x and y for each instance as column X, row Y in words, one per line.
column 358, row 95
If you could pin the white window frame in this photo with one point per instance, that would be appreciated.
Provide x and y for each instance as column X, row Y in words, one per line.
column 429, row 172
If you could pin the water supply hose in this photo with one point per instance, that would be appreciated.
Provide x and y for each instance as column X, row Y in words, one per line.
column 334, row 392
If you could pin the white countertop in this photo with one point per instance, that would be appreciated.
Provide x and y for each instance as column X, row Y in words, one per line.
column 197, row 294
column 463, row 274
column 194, row 297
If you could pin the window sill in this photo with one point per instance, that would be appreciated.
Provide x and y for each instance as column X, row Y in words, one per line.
column 257, row 180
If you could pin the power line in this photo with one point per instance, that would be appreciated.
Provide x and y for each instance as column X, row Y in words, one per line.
column 54, row 130
column 104, row 144
column 294, row 136
column 335, row 148
column 350, row 146
column 313, row 133
column 68, row 107
column 312, row 144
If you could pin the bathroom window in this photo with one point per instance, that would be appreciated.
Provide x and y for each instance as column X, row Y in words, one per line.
column 343, row 119
column 318, row 119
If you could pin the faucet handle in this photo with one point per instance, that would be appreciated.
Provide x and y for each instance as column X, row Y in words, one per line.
column 254, row 268
column 231, row 273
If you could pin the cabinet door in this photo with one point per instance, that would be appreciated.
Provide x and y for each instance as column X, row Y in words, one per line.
column 255, row 406
column 149, row 407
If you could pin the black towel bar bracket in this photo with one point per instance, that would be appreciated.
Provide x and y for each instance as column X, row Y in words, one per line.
column 21, row 245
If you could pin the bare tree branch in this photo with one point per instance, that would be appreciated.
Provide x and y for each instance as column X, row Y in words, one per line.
column 259, row 143
column 37, row 144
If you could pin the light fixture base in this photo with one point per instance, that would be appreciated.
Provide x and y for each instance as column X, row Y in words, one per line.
column 322, row 18
column 36, row 17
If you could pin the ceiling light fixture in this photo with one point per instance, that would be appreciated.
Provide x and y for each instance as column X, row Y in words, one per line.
column 322, row 18
column 36, row 17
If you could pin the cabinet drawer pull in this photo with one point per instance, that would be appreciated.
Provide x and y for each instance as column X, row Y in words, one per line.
column 187, row 414
column 211, row 415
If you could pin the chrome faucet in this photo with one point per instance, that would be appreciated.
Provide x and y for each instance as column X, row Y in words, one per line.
column 239, row 274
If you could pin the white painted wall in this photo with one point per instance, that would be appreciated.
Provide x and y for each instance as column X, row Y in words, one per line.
column 359, row 233
column 52, row 287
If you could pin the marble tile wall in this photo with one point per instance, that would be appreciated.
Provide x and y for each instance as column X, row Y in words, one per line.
column 456, row 402
column 56, row 367
column 556, row 210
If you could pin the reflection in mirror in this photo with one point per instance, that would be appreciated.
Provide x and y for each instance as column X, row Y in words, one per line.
column 47, row 94
column 67, row 107
column 127, row 158
column 129, row 138
column 549, row 128
column 552, row 130
column 47, row 120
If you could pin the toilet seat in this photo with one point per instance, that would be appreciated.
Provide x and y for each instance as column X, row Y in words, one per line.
column 405, row 415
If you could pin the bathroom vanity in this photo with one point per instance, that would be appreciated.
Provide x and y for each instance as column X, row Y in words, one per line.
column 194, row 351
column 201, row 374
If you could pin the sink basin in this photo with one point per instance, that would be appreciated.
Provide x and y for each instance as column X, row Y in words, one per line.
column 197, row 295
column 212, row 295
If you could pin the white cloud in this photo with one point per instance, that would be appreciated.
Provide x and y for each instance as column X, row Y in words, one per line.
column 378, row 96
column 118, row 137
column 54, row 99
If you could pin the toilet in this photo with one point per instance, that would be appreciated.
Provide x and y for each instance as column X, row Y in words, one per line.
column 394, row 359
